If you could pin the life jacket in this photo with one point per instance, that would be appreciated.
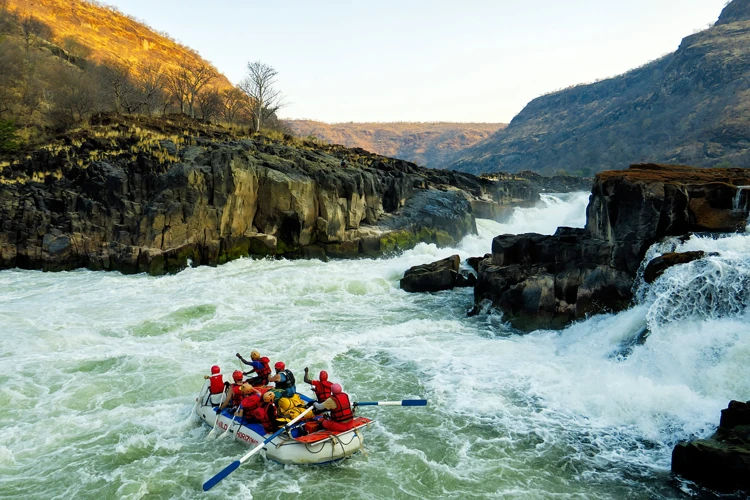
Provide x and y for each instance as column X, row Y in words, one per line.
column 251, row 402
column 266, row 370
column 322, row 389
column 261, row 413
column 289, row 380
column 343, row 411
column 236, row 394
column 217, row 383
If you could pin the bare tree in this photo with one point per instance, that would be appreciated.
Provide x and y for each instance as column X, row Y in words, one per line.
column 209, row 103
column 197, row 76
column 121, row 88
column 177, row 88
column 235, row 101
column 73, row 96
column 74, row 49
column 186, row 83
column 259, row 85
column 11, row 76
column 6, row 18
column 152, row 84
column 33, row 30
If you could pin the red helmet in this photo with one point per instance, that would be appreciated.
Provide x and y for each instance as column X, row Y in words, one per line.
column 279, row 366
column 323, row 376
column 237, row 376
column 215, row 369
column 336, row 389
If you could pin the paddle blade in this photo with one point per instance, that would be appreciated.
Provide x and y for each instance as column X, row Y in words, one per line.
column 221, row 475
column 414, row 402
column 403, row 402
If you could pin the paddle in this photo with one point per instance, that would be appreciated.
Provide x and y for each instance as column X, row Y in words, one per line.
column 218, row 412
column 200, row 396
column 235, row 465
column 223, row 434
column 403, row 402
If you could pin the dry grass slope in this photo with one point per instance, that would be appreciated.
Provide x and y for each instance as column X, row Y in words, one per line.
column 109, row 35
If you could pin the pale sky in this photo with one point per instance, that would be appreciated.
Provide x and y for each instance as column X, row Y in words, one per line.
column 425, row 60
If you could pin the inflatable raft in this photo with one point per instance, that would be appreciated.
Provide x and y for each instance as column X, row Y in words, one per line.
column 291, row 446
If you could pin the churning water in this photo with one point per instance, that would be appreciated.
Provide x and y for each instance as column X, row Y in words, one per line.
column 100, row 371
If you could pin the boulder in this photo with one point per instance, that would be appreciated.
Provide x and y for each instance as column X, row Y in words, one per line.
column 658, row 265
column 721, row 462
column 439, row 275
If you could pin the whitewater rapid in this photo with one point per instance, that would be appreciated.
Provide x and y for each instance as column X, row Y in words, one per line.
column 100, row 371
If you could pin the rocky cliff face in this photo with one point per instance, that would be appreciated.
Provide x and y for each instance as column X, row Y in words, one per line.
column 136, row 195
column 547, row 281
column 688, row 107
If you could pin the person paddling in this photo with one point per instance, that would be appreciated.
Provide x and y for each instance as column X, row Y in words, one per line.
column 217, row 386
column 261, row 367
column 341, row 414
column 322, row 387
column 284, row 380
column 235, row 392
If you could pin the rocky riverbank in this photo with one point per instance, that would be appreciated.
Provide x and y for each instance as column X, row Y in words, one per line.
column 147, row 195
column 541, row 281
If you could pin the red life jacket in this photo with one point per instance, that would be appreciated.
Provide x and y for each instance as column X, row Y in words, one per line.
column 265, row 414
column 236, row 394
column 217, row 384
column 266, row 370
column 343, row 411
column 251, row 402
column 322, row 389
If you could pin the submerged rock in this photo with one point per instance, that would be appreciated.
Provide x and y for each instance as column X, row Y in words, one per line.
column 721, row 462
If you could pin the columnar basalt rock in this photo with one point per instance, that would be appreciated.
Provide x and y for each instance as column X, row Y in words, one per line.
column 113, row 200
column 547, row 281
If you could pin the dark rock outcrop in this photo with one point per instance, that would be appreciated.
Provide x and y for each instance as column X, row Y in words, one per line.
column 135, row 195
column 656, row 267
column 547, row 281
column 439, row 275
column 721, row 462
column 680, row 108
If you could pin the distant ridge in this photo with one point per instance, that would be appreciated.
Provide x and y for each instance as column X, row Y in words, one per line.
column 689, row 107
column 434, row 145
column 109, row 35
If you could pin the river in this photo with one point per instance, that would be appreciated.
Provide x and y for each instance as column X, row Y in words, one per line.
column 100, row 372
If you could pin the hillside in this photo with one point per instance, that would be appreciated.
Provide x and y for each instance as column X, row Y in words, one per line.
column 688, row 107
column 434, row 145
column 104, row 35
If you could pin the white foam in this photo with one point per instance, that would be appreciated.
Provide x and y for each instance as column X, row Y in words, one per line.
column 115, row 362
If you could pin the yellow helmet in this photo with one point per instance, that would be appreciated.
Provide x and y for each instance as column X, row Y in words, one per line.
column 284, row 404
column 254, row 355
column 269, row 397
